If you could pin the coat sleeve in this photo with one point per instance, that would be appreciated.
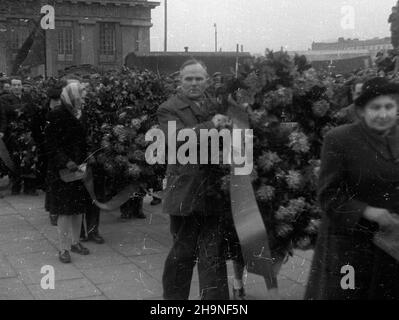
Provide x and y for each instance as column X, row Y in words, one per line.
column 336, row 200
column 52, row 137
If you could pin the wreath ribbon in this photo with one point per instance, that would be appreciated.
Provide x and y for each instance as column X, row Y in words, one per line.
column 247, row 219
column 118, row 200
column 5, row 156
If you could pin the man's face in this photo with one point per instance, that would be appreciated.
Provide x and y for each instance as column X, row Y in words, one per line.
column 6, row 87
column 27, row 88
column 16, row 87
column 194, row 81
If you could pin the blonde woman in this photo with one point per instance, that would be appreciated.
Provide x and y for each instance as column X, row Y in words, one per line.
column 67, row 149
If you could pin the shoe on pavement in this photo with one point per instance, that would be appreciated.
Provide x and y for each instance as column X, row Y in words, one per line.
column 239, row 294
column 64, row 256
column 96, row 238
column 79, row 249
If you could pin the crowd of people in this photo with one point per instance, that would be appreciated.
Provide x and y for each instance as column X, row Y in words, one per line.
column 358, row 187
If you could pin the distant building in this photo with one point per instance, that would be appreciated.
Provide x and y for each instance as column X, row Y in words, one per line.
column 100, row 32
column 170, row 62
column 337, row 61
column 373, row 45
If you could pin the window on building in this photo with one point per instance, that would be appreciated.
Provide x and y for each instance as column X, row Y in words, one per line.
column 65, row 40
column 107, row 42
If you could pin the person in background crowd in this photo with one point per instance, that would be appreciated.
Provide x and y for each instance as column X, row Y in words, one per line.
column 196, row 221
column 5, row 87
column 349, row 114
column 19, row 111
column 67, row 148
column 54, row 101
column 359, row 195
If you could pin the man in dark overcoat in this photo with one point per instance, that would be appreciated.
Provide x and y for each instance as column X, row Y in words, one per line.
column 195, row 217
column 18, row 113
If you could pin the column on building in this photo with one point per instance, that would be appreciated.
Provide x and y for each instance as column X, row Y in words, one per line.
column 3, row 47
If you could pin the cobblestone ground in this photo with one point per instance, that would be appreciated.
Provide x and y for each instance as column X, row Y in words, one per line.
column 128, row 266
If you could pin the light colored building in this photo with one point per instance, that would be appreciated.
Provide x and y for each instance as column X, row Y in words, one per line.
column 96, row 32
column 373, row 45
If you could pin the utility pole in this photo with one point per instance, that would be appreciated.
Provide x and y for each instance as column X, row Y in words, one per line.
column 166, row 27
column 216, row 37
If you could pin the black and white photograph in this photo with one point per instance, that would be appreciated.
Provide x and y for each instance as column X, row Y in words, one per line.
column 217, row 151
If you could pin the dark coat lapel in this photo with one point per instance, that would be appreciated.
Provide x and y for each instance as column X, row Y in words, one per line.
column 199, row 113
column 387, row 146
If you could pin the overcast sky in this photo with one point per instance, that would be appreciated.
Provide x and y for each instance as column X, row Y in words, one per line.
column 260, row 24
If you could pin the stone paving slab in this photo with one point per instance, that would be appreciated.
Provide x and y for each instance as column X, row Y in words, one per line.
column 6, row 270
column 10, row 236
column 100, row 256
column 27, row 246
column 14, row 289
column 128, row 266
column 150, row 262
column 29, row 267
column 138, row 289
column 64, row 290
column 119, row 273
column 135, row 244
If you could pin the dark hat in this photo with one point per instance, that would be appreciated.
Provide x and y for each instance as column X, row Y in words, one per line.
column 376, row 87
column 54, row 92
column 28, row 82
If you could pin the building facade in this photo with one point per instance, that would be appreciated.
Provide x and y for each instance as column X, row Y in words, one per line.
column 96, row 32
column 373, row 45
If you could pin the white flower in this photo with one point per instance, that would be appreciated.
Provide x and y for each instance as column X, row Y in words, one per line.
column 299, row 142
column 293, row 179
column 267, row 160
column 265, row 193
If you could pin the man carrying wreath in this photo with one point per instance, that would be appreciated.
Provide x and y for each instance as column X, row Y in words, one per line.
column 196, row 219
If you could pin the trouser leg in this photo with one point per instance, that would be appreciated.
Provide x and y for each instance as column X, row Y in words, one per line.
column 64, row 228
column 76, row 225
column 15, row 176
column 29, row 185
column 16, row 182
column 212, row 269
column 178, row 270
column 92, row 217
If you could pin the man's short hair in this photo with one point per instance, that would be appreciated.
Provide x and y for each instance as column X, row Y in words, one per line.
column 15, row 78
column 192, row 62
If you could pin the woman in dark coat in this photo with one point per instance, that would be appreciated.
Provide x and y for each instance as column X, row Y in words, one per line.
column 359, row 195
column 67, row 149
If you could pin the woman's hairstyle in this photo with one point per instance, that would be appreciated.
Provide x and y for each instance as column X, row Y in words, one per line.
column 72, row 94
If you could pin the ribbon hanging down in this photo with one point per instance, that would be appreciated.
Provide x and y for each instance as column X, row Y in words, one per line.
column 5, row 156
column 247, row 219
column 85, row 174
column 113, row 204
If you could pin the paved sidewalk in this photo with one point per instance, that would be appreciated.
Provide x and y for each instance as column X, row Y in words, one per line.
column 128, row 266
